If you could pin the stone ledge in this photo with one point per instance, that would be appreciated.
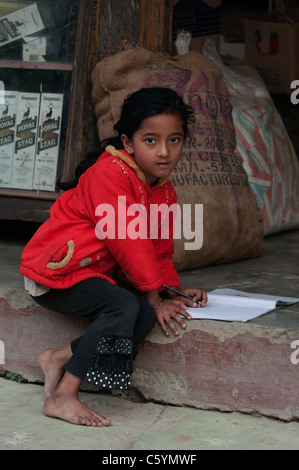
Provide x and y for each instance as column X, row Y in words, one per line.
column 212, row 365
column 223, row 366
column 27, row 329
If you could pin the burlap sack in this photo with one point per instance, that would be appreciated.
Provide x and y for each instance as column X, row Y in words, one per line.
column 209, row 172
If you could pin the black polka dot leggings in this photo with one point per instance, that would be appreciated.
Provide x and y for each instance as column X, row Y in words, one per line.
column 121, row 318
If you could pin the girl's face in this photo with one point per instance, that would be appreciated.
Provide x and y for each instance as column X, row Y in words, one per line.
column 157, row 145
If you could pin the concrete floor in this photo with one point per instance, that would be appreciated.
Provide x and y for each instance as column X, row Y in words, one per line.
column 136, row 427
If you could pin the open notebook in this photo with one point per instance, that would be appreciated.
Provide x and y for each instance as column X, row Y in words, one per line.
column 234, row 305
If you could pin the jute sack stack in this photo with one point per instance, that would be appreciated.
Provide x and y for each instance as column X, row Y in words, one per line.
column 209, row 172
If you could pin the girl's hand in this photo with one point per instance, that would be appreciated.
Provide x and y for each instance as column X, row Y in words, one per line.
column 172, row 309
column 199, row 297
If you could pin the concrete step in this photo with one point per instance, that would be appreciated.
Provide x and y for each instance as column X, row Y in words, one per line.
column 229, row 366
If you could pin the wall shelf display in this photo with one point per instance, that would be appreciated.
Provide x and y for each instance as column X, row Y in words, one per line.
column 40, row 41
column 37, row 43
column 48, row 49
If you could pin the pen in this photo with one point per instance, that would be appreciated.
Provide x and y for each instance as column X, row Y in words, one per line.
column 179, row 293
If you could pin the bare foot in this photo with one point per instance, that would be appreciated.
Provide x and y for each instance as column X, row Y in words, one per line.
column 52, row 362
column 73, row 411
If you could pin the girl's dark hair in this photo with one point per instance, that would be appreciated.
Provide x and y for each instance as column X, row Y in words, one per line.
column 137, row 107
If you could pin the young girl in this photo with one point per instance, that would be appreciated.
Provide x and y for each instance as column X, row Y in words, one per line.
column 91, row 259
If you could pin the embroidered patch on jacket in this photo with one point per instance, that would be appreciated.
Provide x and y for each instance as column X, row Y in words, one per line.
column 61, row 264
column 85, row 262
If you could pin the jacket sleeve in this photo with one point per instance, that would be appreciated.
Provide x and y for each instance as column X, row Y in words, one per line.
column 112, row 206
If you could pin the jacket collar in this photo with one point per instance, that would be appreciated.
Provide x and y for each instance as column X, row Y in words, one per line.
column 126, row 158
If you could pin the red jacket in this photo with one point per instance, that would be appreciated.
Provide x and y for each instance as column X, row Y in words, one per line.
column 66, row 249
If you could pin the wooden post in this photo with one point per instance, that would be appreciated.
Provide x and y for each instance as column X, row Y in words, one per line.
column 82, row 134
column 102, row 26
column 156, row 25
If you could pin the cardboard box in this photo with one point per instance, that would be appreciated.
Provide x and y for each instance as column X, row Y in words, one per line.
column 273, row 49
column 47, row 153
column 20, row 23
column 202, row 18
column 26, row 140
column 8, row 111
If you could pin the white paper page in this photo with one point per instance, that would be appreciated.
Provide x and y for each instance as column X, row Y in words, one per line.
column 219, row 307
column 250, row 295
column 241, row 300
column 213, row 311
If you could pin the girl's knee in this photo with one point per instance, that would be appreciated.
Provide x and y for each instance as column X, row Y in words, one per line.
column 145, row 322
column 127, row 303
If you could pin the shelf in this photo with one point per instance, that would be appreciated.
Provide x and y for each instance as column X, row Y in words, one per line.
column 72, row 54
column 20, row 64
column 11, row 192
column 77, row 27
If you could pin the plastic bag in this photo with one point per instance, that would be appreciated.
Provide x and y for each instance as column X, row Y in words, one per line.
column 263, row 144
